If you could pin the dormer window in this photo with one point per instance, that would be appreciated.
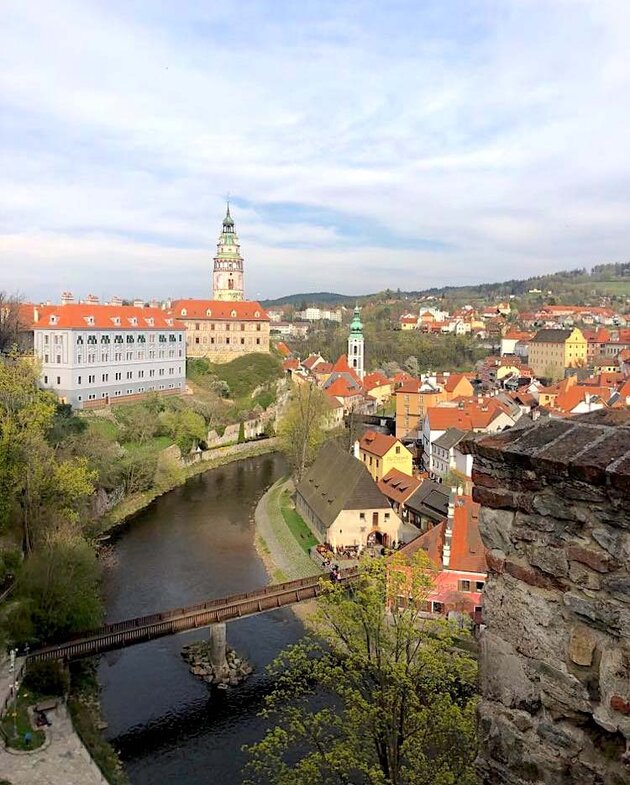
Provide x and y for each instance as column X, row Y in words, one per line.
column 53, row 319
column 184, row 312
column 257, row 314
column 233, row 314
column 133, row 321
column 150, row 321
column 208, row 312
column 89, row 320
column 116, row 320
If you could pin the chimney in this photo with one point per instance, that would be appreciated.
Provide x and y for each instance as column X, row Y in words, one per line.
column 448, row 532
column 67, row 298
column 116, row 300
column 92, row 299
column 36, row 314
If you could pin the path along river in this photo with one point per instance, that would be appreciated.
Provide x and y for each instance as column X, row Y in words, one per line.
column 193, row 543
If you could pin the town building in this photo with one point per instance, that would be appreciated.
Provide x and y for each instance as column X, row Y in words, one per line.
column 314, row 314
column 455, row 548
column 93, row 354
column 427, row 506
column 415, row 396
column 342, row 504
column 380, row 453
column 553, row 350
column 447, row 459
column 398, row 487
column 220, row 330
column 378, row 386
column 227, row 276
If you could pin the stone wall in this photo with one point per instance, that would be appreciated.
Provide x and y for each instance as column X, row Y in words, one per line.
column 555, row 655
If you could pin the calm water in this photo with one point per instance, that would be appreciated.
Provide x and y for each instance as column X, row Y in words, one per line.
column 196, row 542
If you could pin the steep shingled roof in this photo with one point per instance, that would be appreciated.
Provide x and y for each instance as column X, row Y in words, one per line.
column 551, row 336
column 94, row 316
column 338, row 481
column 243, row 310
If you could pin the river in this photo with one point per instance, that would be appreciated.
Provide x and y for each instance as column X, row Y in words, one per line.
column 193, row 543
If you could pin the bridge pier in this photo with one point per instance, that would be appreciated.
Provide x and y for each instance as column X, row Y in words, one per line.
column 218, row 646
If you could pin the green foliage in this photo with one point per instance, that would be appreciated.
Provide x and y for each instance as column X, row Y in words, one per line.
column 242, row 375
column 301, row 430
column 58, row 591
column 47, row 677
column 168, row 472
column 402, row 694
column 64, row 425
column 138, row 423
column 296, row 524
column 21, row 724
column 187, row 428
column 83, row 707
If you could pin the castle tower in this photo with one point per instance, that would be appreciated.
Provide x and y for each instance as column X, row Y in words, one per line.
column 227, row 276
column 355, row 345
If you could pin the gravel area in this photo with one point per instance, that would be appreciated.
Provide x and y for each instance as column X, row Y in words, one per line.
column 281, row 551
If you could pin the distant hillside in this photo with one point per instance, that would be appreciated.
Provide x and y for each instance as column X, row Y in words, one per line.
column 604, row 279
column 311, row 298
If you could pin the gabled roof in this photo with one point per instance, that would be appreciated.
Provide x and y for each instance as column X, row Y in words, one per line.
column 453, row 380
column 337, row 481
column 243, row 310
column 88, row 316
column 377, row 443
column 398, row 486
column 283, row 349
column 342, row 387
column 430, row 500
column 551, row 336
column 450, row 438
column 467, row 550
column 375, row 379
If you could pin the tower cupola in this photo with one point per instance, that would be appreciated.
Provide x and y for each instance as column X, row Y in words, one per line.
column 227, row 275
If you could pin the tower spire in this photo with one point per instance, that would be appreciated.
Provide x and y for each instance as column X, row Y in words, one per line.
column 227, row 277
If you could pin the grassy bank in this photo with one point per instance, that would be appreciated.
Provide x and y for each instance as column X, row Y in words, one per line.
column 15, row 728
column 295, row 523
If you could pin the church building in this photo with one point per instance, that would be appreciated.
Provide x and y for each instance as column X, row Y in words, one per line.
column 228, row 325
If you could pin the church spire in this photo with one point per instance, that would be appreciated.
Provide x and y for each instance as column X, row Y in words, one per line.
column 227, row 276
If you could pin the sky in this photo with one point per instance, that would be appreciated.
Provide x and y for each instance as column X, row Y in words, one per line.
column 365, row 144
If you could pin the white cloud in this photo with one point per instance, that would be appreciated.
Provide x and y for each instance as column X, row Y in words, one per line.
column 497, row 129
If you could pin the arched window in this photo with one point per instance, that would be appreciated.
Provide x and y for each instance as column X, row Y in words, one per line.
column 230, row 283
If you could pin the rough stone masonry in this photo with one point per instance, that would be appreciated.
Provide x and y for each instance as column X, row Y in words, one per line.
column 555, row 656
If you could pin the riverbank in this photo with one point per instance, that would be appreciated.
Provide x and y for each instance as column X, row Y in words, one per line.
column 221, row 456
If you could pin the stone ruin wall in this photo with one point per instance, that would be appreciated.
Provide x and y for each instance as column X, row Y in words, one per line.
column 555, row 656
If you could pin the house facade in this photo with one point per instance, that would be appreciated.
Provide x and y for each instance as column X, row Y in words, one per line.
column 380, row 453
column 220, row 330
column 553, row 350
column 94, row 354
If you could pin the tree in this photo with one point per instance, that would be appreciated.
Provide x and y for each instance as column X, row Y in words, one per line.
column 10, row 326
column 400, row 693
column 58, row 589
column 412, row 366
column 301, row 430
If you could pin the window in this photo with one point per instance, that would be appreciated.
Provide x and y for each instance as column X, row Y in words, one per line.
column 45, row 358
column 386, row 516
column 129, row 374
column 464, row 585
column 46, row 379
column 258, row 341
column 196, row 325
column 118, row 376
column 258, row 327
column 479, row 585
column 196, row 339
column 59, row 380
column 361, row 516
column 59, row 359
column 242, row 340
column 91, row 378
column 242, row 327
column 78, row 380
column 227, row 340
column 397, row 450
column 437, row 607
column 105, row 377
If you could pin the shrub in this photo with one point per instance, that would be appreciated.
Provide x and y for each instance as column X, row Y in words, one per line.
column 47, row 677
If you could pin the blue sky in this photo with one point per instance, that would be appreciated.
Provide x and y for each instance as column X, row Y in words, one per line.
column 365, row 144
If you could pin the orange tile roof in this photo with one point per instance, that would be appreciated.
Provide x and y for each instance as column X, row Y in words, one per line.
column 291, row 364
column 568, row 399
column 452, row 381
column 341, row 388
column 376, row 379
column 85, row 316
column 244, row 310
column 398, row 486
column 283, row 349
column 377, row 443
column 410, row 385
column 341, row 366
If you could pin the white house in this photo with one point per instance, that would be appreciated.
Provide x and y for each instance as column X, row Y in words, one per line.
column 98, row 353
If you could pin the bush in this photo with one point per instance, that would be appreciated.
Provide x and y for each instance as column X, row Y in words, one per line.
column 47, row 677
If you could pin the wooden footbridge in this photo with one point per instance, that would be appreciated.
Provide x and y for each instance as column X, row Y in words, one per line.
column 146, row 628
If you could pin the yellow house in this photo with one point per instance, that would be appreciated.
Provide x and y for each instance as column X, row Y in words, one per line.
column 381, row 453
column 378, row 386
column 551, row 351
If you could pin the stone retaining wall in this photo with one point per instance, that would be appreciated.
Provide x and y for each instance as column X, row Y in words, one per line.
column 555, row 657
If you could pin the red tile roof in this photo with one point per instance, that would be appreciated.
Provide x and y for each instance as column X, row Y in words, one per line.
column 376, row 379
column 244, row 310
column 398, row 486
column 377, row 443
column 85, row 316
column 341, row 388
column 453, row 380
column 283, row 349
column 410, row 385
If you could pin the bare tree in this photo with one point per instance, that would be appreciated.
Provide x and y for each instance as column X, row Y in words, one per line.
column 10, row 327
